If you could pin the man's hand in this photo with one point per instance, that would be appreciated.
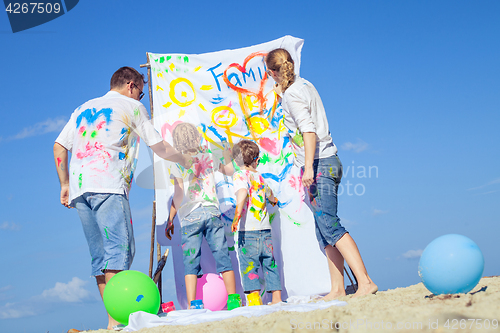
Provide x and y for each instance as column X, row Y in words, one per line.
column 308, row 177
column 65, row 195
column 188, row 161
column 169, row 230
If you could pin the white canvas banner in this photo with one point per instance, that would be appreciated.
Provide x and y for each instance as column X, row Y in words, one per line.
column 228, row 96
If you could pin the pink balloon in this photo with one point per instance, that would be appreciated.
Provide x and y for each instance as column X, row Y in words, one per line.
column 211, row 289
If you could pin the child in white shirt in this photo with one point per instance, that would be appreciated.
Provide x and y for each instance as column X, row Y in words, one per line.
column 195, row 200
column 255, row 245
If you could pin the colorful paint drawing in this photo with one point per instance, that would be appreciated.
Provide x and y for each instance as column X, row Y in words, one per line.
column 228, row 96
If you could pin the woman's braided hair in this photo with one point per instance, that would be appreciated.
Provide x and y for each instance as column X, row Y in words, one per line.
column 281, row 61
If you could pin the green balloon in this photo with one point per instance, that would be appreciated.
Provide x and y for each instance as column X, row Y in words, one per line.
column 128, row 292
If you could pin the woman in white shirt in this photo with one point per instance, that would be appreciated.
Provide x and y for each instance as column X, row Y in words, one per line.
column 316, row 154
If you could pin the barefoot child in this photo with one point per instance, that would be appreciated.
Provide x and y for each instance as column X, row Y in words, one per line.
column 195, row 200
column 255, row 244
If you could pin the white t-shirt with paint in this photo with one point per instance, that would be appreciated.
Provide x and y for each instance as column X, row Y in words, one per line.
column 103, row 138
column 199, row 183
column 254, row 215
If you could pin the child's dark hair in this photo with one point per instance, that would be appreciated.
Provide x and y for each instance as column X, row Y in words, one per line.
column 245, row 152
column 186, row 138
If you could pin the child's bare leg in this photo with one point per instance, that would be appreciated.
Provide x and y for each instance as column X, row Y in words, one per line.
column 336, row 268
column 229, row 281
column 191, row 281
column 276, row 296
column 350, row 252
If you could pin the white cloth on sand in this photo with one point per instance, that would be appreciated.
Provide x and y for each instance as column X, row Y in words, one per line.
column 140, row 319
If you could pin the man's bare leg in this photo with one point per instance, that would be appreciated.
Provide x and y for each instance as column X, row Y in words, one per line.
column 101, row 284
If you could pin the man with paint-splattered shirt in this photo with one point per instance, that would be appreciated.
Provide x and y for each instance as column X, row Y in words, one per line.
column 103, row 137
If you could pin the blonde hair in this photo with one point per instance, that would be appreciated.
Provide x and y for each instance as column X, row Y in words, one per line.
column 281, row 61
column 186, row 138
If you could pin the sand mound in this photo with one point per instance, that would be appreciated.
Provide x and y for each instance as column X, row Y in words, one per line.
column 410, row 309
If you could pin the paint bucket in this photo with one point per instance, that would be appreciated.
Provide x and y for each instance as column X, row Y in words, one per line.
column 254, row 299
column 197, row 304
column 233, row 301
column 167, row 307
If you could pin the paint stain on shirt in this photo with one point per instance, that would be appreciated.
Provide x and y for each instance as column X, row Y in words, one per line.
column 91, row 115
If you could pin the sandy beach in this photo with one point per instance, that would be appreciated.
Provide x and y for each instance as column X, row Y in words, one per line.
column 411, row 309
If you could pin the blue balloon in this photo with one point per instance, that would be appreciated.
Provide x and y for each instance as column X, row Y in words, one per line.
column 451, row 264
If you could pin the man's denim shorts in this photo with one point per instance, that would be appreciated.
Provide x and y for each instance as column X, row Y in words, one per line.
column 204, row 221
column 107, row 224
column 255, row 249
column 323, row 200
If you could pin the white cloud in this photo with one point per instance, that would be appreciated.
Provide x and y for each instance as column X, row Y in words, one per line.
column 17, row 310
column 72, row 291
column 494, row 181
column 3, row 294
column 6, row 288
column 358, row 147
column 9, row 226
column 43, row 127
column 412, row 254
column 485, row 193
column 377, row 212
column 347, row 223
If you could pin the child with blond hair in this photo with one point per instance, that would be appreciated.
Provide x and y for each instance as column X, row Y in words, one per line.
column 195, row 201
column 255, row 244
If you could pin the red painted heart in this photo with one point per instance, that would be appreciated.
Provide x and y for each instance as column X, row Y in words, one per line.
column 259, row 94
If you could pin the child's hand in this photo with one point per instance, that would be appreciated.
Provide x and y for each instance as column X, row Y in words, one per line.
column 169, row 230
column 274, row 202
column 234, row 226
column 227, row 151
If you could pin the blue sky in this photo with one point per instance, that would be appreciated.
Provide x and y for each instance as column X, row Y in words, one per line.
column 411, row 89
